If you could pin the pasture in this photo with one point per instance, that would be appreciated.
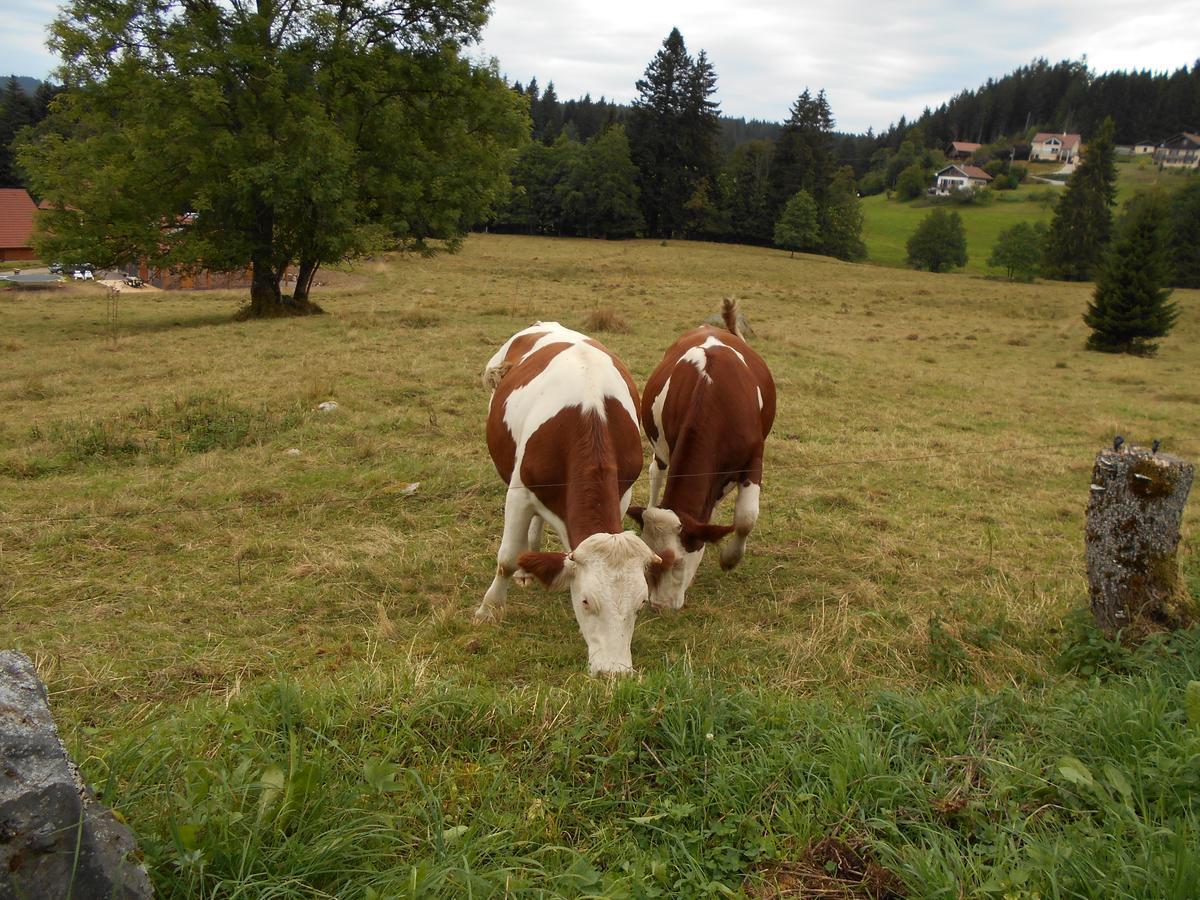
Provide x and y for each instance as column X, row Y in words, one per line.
column 888, row 224
column 266, row 658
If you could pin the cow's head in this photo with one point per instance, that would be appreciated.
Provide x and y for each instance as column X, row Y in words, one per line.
column 681, row 539
column 609, row 578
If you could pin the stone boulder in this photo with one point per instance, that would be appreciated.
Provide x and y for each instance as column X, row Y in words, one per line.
column 56, row 839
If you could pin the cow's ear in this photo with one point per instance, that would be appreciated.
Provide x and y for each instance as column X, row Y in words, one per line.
column 553, row 570
column 695, row 534
column 660, row 564
column 635, row 513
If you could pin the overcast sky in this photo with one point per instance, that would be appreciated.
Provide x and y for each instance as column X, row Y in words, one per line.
column 876, row 60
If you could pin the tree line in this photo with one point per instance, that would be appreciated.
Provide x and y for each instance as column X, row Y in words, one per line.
column 20, row 108
column 671, row 166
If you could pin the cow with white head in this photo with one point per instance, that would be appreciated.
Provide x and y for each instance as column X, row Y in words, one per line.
column 563, row 433
column 707, row 411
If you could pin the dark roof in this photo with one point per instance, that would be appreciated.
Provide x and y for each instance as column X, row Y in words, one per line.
column 1184, row 140
column 16, row 217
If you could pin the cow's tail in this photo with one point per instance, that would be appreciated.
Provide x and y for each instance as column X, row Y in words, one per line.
column 730, row 310
column 493, row 374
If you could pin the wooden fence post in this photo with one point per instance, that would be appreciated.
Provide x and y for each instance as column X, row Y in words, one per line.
column 1133, row 515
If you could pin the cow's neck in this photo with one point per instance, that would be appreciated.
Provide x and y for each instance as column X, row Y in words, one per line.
column 593, row 502
column 693, row 491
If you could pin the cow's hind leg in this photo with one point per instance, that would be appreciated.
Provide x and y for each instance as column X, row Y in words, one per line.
column 745, row 514
column 518, row 515
column 534, row 543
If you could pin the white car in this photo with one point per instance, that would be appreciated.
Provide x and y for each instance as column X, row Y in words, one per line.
column 83, row 275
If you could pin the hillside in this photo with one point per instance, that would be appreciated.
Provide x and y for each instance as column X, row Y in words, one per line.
column 266, row 660
column 887, row 224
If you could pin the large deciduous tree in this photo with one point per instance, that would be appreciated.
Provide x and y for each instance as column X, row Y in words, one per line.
column 672, row 132
column 268, row 133
column 1083, row 218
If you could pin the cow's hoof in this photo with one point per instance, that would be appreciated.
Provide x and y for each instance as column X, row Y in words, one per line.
column 521, row 578
column 486, row 615
column 730, row 560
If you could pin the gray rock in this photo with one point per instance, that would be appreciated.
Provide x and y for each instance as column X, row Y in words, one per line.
column 56, row 839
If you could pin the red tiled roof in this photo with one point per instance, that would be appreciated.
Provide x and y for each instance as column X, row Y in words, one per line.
column 16, row 218
column 965, row 146
column 1067, row 140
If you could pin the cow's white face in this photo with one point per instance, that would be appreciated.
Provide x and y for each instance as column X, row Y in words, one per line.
column 607, row 577
column 663, row 533
column 608, row 590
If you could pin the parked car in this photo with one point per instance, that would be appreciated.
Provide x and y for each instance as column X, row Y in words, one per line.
column 83, row 275
column 56, row 268
column 133, row 281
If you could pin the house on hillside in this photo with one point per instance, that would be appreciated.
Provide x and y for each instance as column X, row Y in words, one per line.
column 17, row 210
column 962, row 150
column 959, row 178
column 1055, row 147
column 1180, row 151
column 1144, row 148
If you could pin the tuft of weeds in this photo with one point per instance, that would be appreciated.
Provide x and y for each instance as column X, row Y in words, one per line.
column 605, row 319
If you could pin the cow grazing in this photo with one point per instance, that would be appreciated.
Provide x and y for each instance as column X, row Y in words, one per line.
column 707, row 410
column 563, row 432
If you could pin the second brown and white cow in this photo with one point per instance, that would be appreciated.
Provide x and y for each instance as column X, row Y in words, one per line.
column 707, row 411
column 563, row 432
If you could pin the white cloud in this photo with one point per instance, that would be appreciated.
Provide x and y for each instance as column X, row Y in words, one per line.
column 876, row 60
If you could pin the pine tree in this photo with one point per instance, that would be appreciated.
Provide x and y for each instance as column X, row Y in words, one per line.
column 804, row 152
column 797, row 227
column 1083, row 218
column 939, row 243
column 1131, row 303
column 16, row 111
column 1185, row 235
column 671, row 131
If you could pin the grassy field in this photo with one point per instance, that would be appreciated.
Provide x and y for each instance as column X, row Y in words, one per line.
column 265, row 659
column 888, row 224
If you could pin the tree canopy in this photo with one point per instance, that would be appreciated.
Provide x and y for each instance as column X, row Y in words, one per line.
column 797, row 228
column 1018, row 250
column 672, row 133
column 939, row 243
column 268, row 133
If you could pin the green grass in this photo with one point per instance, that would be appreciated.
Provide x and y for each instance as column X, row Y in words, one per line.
column 888, row 224
column 267, row 661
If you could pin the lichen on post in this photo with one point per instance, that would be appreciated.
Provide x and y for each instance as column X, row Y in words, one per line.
column 1133, row 518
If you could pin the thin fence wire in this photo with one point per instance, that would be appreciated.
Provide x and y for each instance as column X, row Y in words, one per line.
column 378, row 495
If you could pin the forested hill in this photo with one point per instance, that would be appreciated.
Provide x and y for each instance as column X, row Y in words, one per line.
column 1065, row 96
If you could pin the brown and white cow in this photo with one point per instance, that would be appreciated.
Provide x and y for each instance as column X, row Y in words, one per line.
column 707, row 411
column 563, row 432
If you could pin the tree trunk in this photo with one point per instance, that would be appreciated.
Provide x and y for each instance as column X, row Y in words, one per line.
column 305, row 272
column 1133, row 516
column 265, row 299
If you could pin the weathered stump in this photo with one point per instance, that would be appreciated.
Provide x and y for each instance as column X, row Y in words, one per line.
column 1136, row 505
column 56, row 840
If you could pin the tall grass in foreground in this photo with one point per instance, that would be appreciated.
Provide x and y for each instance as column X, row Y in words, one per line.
column 397, row 783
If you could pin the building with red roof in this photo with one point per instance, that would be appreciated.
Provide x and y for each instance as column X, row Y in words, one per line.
column 959, row 178
column 17, row 210
column 962, row 149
